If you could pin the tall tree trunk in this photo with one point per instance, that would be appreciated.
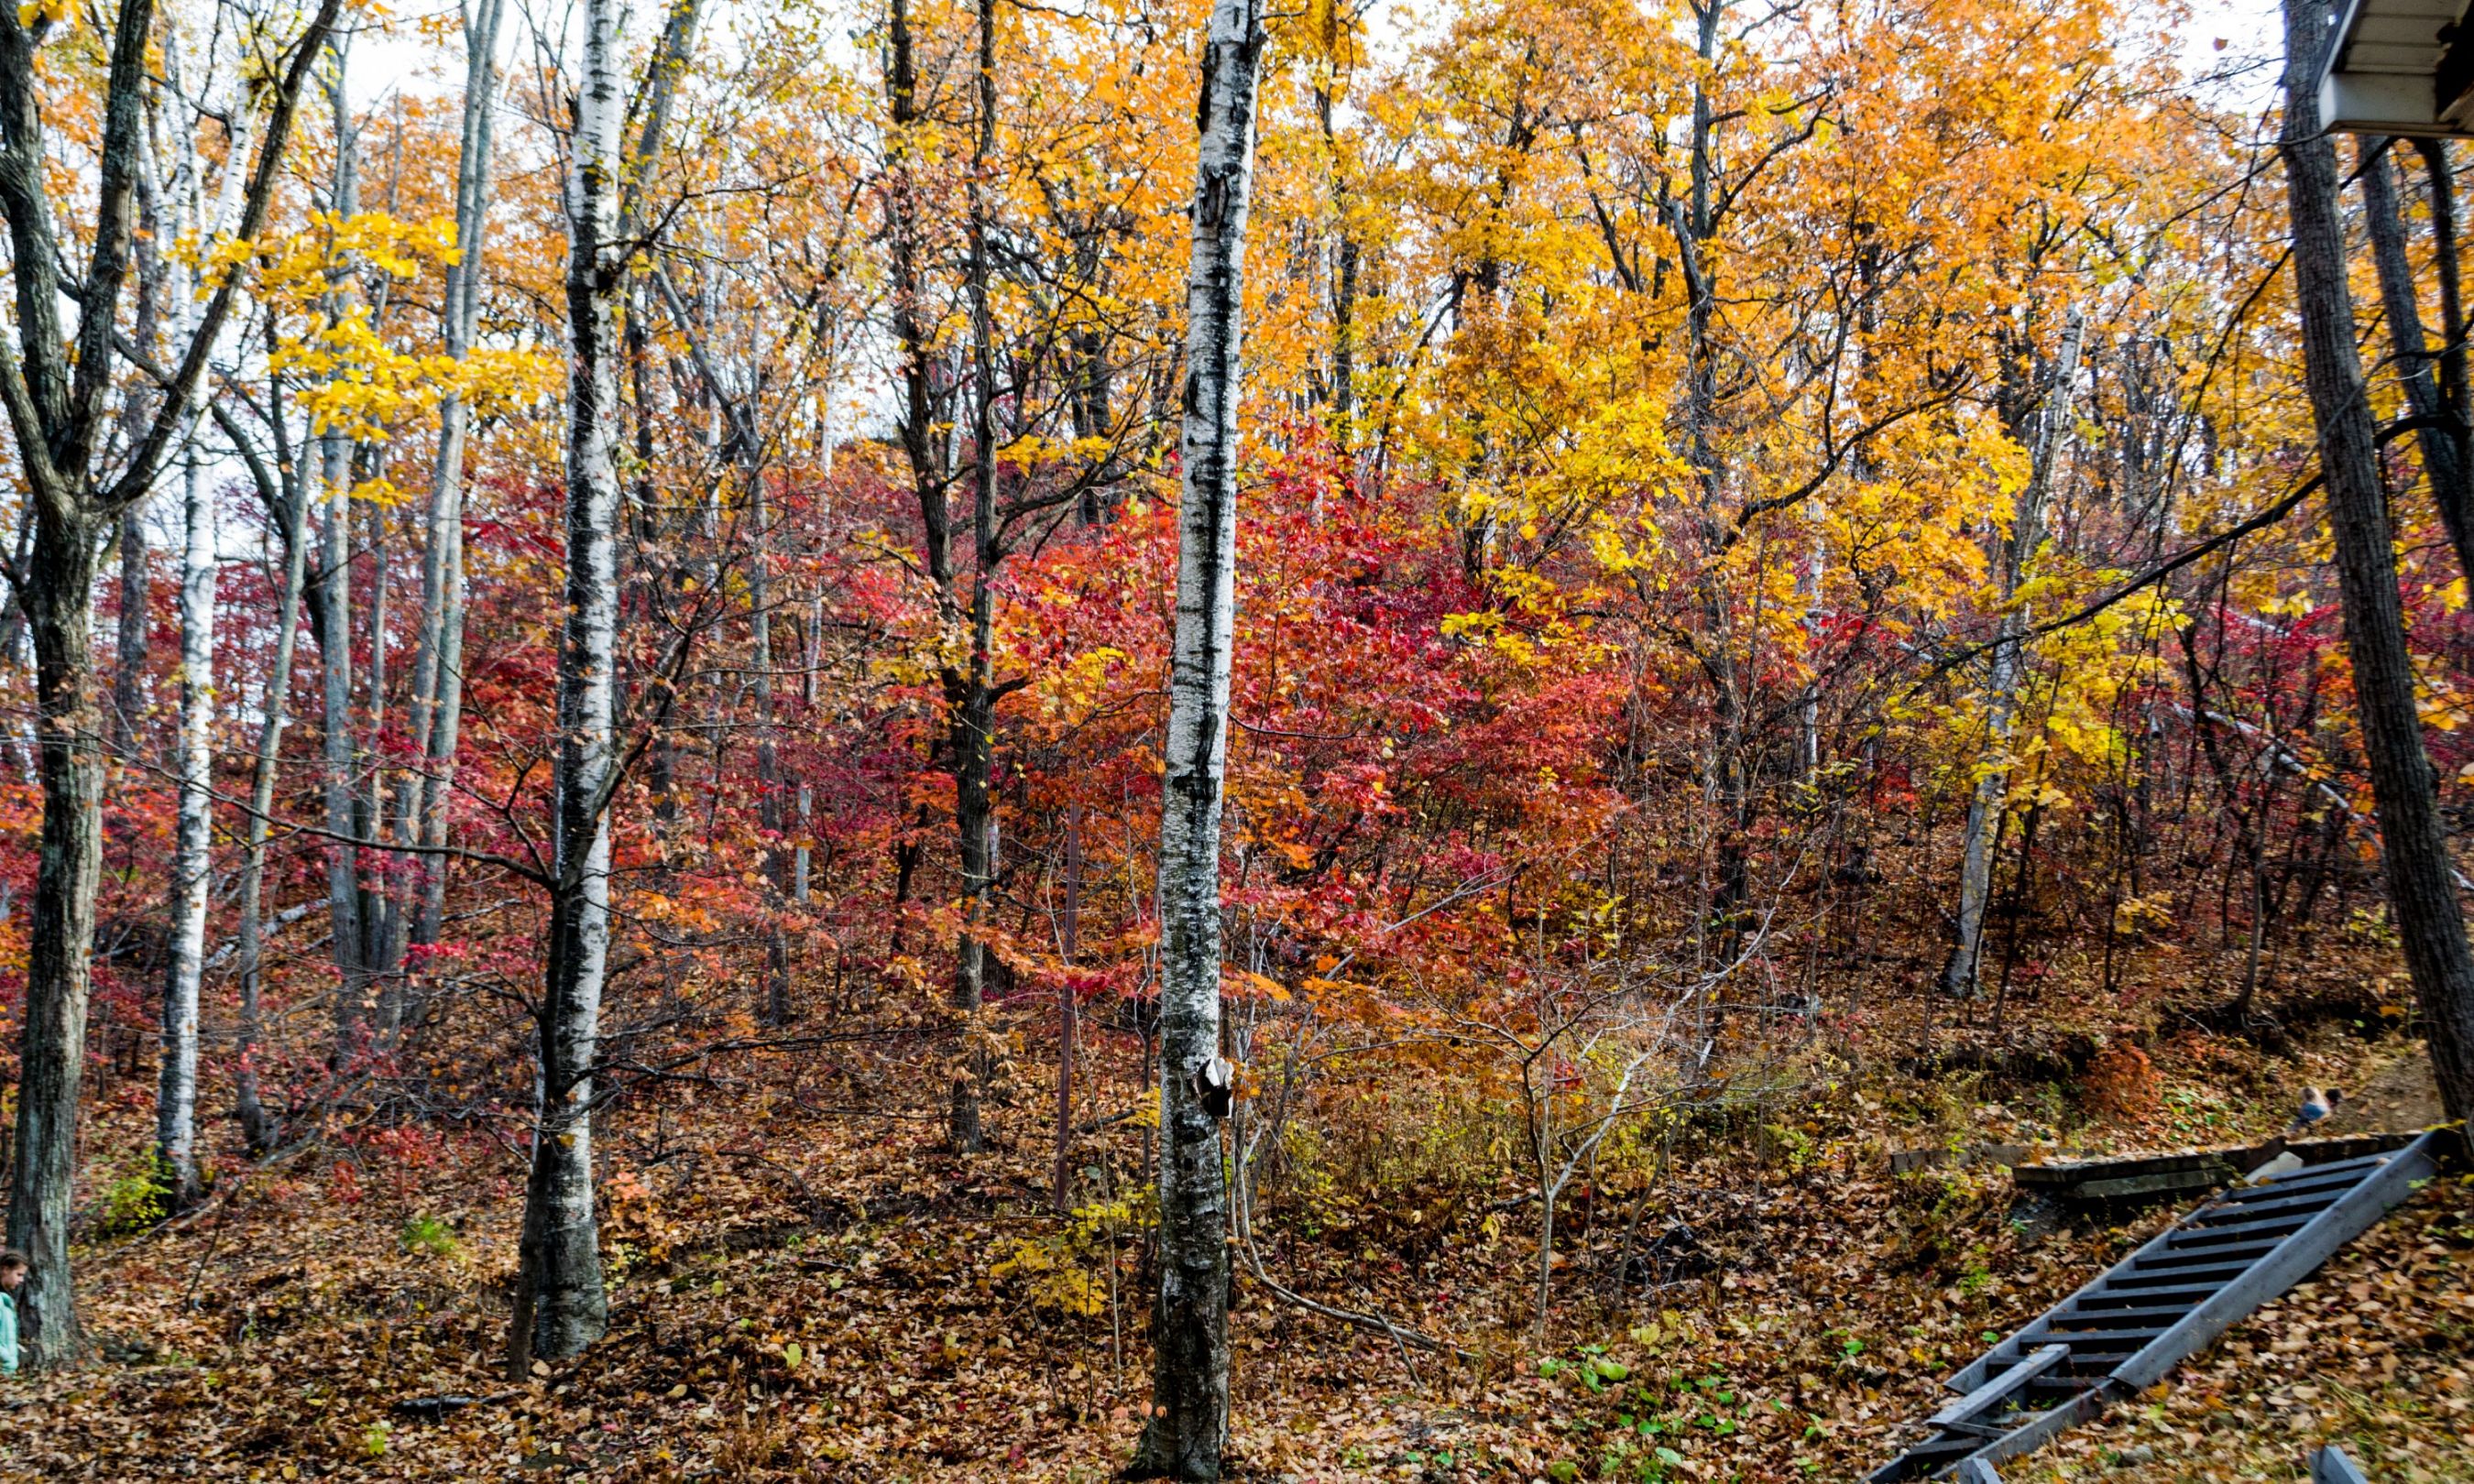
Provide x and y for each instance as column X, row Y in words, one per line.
column 2413, row 844
column 559, row 1305
column 437, row 700
column 923, row 449
column 381, row 904
column 290, row 508
column 970, row 692
column 1069, row 945
column 192, row 869
column 1984, row 806
column 333, row 453
column 2452, row 390
column 1343, row 294
column 1188, row 1429
column 1727, row 784
column 176, row 1132
column 59, row 612
column 2443, row 460
column 768, row 756
column 922, row 445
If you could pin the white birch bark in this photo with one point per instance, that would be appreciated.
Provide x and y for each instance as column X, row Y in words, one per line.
column 437, row 679
column 333, row 497
column 177, row 1098
column 559, row 1305
column 2008, row 667
column 192, row 864
column 1189, row 1425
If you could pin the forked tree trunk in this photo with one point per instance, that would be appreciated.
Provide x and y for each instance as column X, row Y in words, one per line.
column 2413, row 844
column 1984, row 806
column 1188, row 1429
column 560, row 1305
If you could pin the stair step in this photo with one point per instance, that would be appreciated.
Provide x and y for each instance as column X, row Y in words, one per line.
column 2236, row 1236
column 2087, row 1339
column 2110, row 1297
column 2201, row 1265
column 2115, row 1318
column 2215, row 1255
column 2310, row 1177
column 1947, row 1442
column 2314, row 1201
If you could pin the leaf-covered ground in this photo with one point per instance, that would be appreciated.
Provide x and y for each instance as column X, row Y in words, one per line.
column 802, row 1297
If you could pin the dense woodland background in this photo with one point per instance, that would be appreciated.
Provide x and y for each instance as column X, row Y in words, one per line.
column 1722, row 692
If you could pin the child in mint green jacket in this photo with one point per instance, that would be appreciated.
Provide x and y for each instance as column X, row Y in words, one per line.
column 13, row 1277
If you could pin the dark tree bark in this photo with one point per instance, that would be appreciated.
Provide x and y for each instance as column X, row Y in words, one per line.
column 2443, row 454
column 970, row 690
column 2413, row 844
column 2453, row 389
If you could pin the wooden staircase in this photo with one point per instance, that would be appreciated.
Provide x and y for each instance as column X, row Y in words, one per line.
column 2121, row 1333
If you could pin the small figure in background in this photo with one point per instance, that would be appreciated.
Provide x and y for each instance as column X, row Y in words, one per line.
column 13, row 1277
column 2318, row 1103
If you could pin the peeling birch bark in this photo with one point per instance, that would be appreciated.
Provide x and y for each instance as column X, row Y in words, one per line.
column 1188, row 1429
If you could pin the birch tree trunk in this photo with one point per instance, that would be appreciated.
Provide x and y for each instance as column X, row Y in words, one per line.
column 1984, row 808
column 2413, row 842
column 176, row 1132
column 334, row 498
column 1344, row 290
column 559, row 1305
column 436, row 704
column 192, row 866
column 1189, row 1425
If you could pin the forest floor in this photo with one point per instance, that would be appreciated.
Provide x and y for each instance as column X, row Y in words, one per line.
column 798, row 1295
